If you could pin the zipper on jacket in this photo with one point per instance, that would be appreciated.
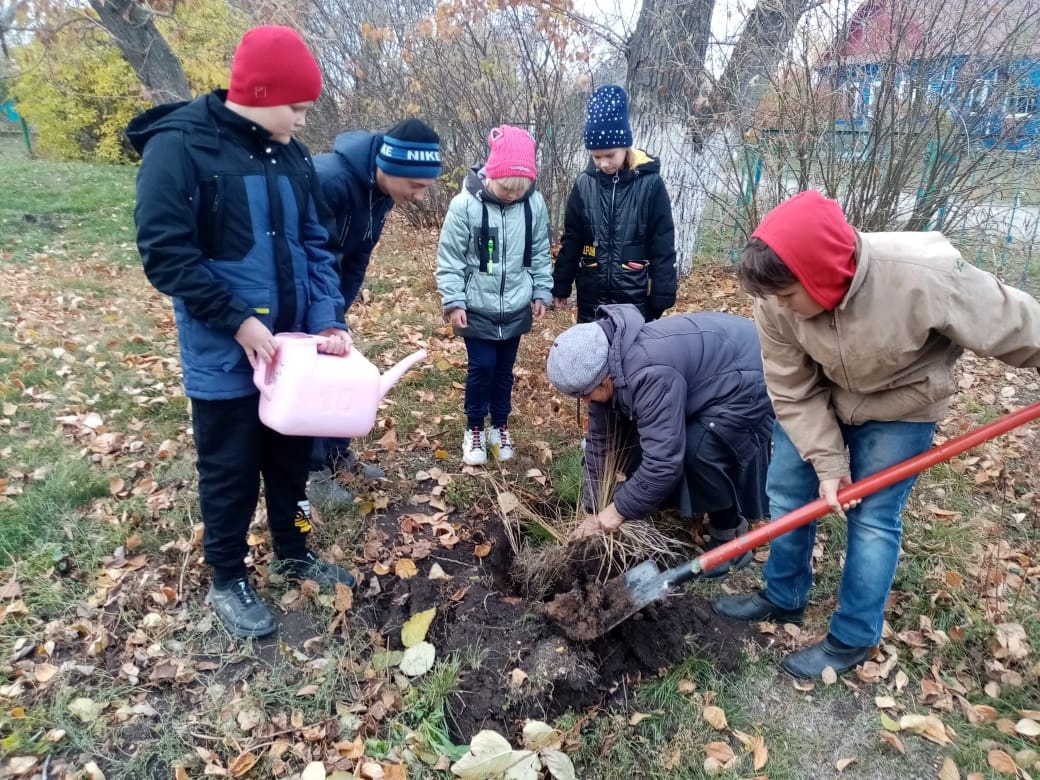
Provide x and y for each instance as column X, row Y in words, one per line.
column 613, row 228
column 841, row 353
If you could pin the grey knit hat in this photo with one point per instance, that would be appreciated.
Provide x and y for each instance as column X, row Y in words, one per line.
column 578, row 359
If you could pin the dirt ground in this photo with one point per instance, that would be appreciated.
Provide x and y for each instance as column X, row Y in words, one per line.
column 530, row 669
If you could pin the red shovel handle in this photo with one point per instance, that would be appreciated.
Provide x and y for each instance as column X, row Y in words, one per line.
column 883, row 479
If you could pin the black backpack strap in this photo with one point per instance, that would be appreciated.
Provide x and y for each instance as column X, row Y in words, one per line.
column 484, row 248
column 527, row 232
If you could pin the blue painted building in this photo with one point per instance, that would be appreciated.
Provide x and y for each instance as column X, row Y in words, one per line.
column 979, row 58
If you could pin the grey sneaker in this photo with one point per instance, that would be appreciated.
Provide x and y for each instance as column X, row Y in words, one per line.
column 311, row 567
column 240, row 609
column 353, row 464
column 325, row 492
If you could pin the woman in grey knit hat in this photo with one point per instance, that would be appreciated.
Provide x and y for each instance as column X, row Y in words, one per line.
column 680, row 405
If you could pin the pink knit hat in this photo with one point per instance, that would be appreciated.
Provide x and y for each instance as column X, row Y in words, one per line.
column 272, row 66
column 511, row 154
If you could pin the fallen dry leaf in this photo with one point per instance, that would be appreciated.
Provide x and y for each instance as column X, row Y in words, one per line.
column 1002, row 762
column 241, row 764
column 405, row 568
column 715, row 717
column 894, row 741
column 949, row 770
column 844, row 763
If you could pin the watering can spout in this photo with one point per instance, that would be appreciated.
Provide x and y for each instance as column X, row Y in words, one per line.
column 394, row 374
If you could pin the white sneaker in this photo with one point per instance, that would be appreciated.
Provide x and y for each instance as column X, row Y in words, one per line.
column 474, row 447
column 500, row 443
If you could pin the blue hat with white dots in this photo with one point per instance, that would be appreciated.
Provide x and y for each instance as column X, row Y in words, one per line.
column 607, row 124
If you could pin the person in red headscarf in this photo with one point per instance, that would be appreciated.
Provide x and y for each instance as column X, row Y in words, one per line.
column 859, row 333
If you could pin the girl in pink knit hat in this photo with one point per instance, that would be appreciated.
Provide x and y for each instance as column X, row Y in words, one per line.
column 493, row 274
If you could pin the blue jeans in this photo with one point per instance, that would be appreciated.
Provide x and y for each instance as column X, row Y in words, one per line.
column 489, row 380
column 875, row 527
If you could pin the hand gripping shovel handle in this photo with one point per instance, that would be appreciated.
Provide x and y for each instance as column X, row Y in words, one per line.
column 864, row 487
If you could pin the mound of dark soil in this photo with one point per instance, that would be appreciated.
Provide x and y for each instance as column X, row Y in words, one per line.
column 523, row 665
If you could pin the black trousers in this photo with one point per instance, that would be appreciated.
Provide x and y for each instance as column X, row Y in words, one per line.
column 234, row 450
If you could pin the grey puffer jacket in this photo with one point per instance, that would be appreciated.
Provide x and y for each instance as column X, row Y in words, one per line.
column 492, row 262
column 668, row 373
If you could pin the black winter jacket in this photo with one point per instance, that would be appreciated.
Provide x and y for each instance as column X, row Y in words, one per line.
column 705, row 367
column 618, row 243
column 227, row 224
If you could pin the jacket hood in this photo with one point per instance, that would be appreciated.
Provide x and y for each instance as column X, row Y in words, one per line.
column 188, row 116
column 811, row 235
column 476, row 185
column 644, row 163
column 194, row 118
column 358, row 145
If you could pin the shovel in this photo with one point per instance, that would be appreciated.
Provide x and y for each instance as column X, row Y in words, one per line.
column 645, row 583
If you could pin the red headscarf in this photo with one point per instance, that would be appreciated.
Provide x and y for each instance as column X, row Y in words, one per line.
column 811, row 235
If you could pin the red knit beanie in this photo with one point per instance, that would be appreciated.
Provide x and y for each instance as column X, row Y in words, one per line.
column 811, row 235
column 511, row 154
column 273, row 67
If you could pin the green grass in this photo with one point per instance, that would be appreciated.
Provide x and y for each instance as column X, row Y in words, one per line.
column 58, row 206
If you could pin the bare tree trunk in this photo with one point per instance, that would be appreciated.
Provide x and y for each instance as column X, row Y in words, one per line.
column 144, row 49
column 681, row 115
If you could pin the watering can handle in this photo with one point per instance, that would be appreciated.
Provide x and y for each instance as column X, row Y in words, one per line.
column 263, row 374
column 864, row 487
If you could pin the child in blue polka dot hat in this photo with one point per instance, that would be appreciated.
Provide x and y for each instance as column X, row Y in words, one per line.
column 618, row 243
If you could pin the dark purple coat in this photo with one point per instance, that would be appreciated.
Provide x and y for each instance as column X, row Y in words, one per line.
column 704, row 367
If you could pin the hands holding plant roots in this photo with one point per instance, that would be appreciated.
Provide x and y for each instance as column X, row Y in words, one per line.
column 606, row 522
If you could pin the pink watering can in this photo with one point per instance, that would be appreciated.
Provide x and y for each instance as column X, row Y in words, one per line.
column 304, row 392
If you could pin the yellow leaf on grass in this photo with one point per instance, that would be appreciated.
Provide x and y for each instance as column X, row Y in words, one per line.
column 1002, row 762
column 638, row 717
column 721, row 752
column 844, row 763
column 180, row 773
column 242, row 764
column 888, row 724
column 760, row 754
column 482, row 550
column 307, row 690
column 716, row 717
column 441, row 454
column 928, row 726
column 949, row 770
column 414, row 630
column 405, row 568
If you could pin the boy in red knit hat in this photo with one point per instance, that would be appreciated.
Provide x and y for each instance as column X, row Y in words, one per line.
column 227, row 225
column 493, row 274
column 860, row 333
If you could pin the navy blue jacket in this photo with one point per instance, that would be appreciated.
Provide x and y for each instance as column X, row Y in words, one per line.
column 227, row 224
column 667, row 373
column 358, row 208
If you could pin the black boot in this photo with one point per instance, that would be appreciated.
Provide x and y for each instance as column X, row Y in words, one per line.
column 718, row 537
